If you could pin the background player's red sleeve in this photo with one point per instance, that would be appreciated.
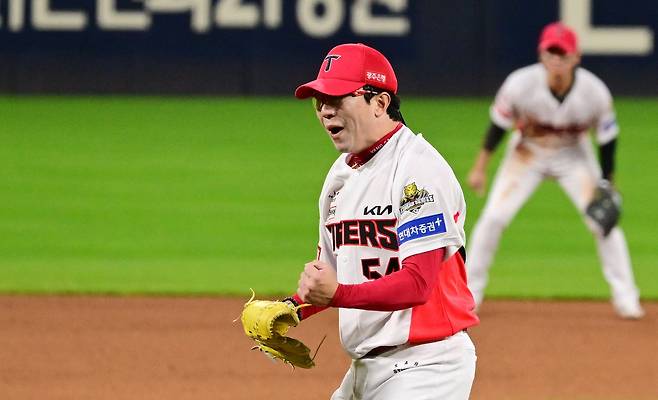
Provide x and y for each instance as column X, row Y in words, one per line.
column 408, row 287
column 309, row 310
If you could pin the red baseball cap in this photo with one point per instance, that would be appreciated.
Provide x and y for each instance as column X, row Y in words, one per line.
column 558, row 35
column 349, row 67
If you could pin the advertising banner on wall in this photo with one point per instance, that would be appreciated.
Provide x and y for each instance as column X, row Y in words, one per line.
column 246, row 47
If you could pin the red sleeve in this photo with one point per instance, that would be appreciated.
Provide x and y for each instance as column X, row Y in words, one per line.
column 309, row 310
column 408, row 287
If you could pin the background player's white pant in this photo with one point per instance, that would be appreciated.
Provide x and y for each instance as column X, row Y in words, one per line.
column 440, row 370
column 525, row 166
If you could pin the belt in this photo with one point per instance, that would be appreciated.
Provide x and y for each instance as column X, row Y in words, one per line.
column 377, row 351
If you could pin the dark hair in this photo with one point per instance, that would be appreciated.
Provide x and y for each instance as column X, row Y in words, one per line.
column 393, row 109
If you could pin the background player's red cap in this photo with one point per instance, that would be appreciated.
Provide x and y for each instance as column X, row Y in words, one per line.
column 349, row 67
column 558, row 35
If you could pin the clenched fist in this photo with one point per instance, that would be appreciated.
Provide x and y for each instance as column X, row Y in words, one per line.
column 317, row 283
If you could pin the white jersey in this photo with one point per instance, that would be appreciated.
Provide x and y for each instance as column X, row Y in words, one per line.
column 550, row 142
column 406, row 200
column 526, row 103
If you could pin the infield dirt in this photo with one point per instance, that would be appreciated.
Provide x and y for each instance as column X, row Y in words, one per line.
column 100, row 348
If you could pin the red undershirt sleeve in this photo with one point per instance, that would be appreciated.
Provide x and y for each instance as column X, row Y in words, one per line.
column 307, row 311
column 408, row 287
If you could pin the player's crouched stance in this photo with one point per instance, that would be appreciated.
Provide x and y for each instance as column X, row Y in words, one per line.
column 391, row 238
column 551, row 106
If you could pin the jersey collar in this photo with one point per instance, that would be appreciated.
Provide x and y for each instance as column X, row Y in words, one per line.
column 358, row 159
column 560, row 99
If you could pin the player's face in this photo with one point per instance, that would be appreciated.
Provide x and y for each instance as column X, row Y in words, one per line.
column 346, row 119
column 559, row 64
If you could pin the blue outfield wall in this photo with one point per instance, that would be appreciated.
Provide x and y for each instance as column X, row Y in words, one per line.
column 244, row 47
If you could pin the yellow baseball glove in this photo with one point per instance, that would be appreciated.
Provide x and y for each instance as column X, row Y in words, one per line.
column 267, row 322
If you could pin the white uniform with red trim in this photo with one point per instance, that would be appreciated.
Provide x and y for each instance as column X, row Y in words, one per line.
column 550, row 141
column 404, row 201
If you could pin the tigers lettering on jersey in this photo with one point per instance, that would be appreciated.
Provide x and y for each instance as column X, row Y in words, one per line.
column 533, row 127
column 378, row 233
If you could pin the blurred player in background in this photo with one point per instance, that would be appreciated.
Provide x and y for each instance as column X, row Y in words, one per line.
column 390, row 253
column 551, row 105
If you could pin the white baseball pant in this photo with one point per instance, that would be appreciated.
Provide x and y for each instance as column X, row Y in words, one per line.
column 439, row 370
column 525, row 165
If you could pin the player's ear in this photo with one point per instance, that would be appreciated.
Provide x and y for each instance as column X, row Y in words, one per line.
column 382, row 100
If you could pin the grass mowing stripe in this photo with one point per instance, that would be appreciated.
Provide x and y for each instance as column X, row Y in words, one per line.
column 215, row 195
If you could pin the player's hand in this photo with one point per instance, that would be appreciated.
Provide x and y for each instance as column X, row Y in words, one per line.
column 477, row 180
column 317, row 283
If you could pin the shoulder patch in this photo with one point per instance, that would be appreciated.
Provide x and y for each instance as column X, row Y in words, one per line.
column 421, row 227
column 414, row 198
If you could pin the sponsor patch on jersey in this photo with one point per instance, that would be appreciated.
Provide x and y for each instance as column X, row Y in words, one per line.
column 378, row 210
column 332, row 205
column 421, row 227
column 609, row 124
column 414, row 198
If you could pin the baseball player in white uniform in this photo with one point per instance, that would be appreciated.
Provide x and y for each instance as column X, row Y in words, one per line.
column 390, row 253
column 551, row 106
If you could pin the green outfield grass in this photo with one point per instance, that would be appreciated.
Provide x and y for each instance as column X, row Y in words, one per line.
column 213, row 196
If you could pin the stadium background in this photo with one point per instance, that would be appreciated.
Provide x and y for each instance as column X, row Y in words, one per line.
column 153, row 147
column 247, row 47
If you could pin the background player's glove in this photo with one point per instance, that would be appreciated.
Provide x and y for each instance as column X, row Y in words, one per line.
column 605, row 207
column 267, row 322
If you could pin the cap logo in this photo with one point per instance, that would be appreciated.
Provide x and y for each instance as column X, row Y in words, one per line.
column 330, row 58
column 376, row 76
